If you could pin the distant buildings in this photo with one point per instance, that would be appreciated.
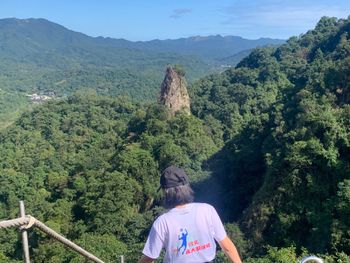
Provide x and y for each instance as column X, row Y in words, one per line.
column 40, row 98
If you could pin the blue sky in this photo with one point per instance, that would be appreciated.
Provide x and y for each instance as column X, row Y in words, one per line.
column 162, row 19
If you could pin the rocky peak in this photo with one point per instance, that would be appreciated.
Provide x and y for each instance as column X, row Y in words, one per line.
column 173, row 93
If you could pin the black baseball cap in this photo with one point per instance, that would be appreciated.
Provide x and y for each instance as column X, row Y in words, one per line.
column 172, row 177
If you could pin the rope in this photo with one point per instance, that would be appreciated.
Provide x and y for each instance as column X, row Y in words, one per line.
column 14, row 222
column 66, row 242
column 29, row 221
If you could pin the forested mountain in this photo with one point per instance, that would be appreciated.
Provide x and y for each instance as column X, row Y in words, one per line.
column 284, row 116
column 209, row 48
column 49, row 47
column 22, row 37
column 270, row 137
column 38, row 56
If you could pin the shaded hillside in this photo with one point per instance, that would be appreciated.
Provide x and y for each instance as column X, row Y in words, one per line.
column 283, row 114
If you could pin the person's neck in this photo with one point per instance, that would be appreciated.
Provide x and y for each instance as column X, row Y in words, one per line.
column 181, row 206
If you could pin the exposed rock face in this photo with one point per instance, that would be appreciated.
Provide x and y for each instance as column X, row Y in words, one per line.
column 173, row 93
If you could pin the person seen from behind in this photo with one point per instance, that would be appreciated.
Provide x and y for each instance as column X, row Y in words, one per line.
column 188, row 230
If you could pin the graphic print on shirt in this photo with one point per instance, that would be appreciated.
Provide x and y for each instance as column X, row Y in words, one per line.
column 188, row 244
column 183, row 237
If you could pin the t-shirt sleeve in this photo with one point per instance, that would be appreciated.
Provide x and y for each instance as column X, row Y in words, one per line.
column 218, row 227
column 154, row 243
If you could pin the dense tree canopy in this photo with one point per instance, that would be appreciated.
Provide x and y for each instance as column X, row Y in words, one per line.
column 270, row 137
column 89, row 167
column 284, row 113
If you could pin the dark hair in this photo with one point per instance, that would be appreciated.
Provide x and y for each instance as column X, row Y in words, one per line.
column 179, row 195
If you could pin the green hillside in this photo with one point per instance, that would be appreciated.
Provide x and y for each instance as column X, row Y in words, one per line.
column 270, row 137
column 38, row 56
column 12, row 104
column 283, row 114
column 34, row 51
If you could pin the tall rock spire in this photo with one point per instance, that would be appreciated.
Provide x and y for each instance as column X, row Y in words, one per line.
column 173, row 93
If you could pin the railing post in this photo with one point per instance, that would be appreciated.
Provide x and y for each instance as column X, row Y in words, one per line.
column 26, row 257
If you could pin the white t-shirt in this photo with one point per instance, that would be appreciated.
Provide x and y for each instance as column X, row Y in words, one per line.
column 186, row 233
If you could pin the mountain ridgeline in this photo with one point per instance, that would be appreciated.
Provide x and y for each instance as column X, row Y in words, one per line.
column 38, row 56
column 268, row 143
column 56, row 54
